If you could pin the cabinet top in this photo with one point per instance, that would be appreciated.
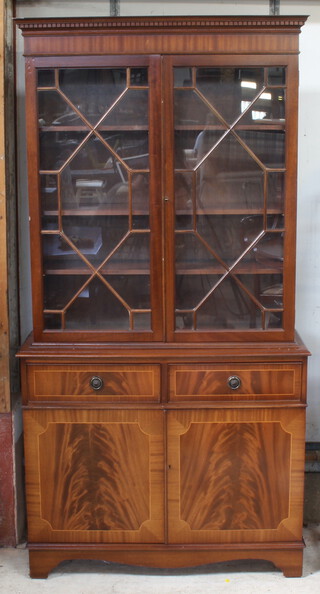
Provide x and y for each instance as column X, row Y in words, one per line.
column 162, row 35
column 163, row 23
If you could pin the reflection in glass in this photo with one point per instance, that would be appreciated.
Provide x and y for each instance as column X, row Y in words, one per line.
column 275, row 195
column 227, row 88
column 276, row 75
column 56, row 149
column 228, row 235
column 269, row 249
column 95, row 198
column 192, row 289
column 49, row 194
column 131, row 146
column 134, row 289
column 59, row 255
column 130, row 110
column 267, row 145
column 97, row 308
column 229, row 131
column 92, row 90
column 191, row 253
column 54, row 111
column 229, row 307
column 133, row 254
column 189, row 108
column 229, row 177
column 59, row 289
column 138, row 77
column 270, row 107
column 267, row 289
column 94, row 178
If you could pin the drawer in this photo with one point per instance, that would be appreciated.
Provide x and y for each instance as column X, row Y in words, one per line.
column 235, row 382
column 108, row 383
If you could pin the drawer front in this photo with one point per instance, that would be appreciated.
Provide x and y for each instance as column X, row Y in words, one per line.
column 108, row 383
column 235, row 382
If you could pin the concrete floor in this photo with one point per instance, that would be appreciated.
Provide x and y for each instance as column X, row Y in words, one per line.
column 77, row 577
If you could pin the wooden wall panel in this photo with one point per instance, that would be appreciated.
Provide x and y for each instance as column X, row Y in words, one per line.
column 9, row 327
column 4, row 320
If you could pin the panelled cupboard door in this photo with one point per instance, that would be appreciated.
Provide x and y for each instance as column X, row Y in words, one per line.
column 94, row 476
column 235, row 476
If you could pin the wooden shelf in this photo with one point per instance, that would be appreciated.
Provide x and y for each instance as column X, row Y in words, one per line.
column 84, row 128
column 118, row 269
column 97, row 210
column 274, row 125
column 140, row 268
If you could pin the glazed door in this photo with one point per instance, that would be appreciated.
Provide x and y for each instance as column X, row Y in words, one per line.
column 230, row 198
column 94, row 476
column 235, row 475
column 95, row 224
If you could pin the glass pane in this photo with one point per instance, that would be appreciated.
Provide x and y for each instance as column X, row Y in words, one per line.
column 52, row 321
column 92, row 90
column 93, row 179
column 276, row 75
column 97, row 308
column 275, row 222
column 267, row 289
column 95, row 198
column 182, row 77
column 131, row 146
column 227, row 88
column 228, row 207
column 142, row 321
column 140, row 200
column 86, row 238
column 132, row 256
column 130, row 110
column 269, row 108
column 46, row 78
column 54, row 110
column 49, row 202
column 230, row 178
column 138, row 77
column 269, row 250
column 189, row 108
column 193, row 255
column 228, row 235
column 60, row 257
column 267, row 145
column 56, row 148
column 229, row 307
column 191, row 289
column 275, row 191
column 273, row 319
column 134, row 289
column 184, row 199
column 60, row 289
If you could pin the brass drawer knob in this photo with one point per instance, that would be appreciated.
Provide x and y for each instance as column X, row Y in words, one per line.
column 234, row 382
column 96, row 382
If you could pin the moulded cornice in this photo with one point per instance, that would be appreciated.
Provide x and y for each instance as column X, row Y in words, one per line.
column 162, row 23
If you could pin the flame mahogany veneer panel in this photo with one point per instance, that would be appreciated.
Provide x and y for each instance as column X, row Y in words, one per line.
column 95, row 476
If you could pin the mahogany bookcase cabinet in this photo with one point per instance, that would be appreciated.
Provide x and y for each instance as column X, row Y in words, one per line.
column 164, row 387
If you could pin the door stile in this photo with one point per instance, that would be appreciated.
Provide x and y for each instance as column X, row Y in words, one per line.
column 156, row 223
column 168, row 196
